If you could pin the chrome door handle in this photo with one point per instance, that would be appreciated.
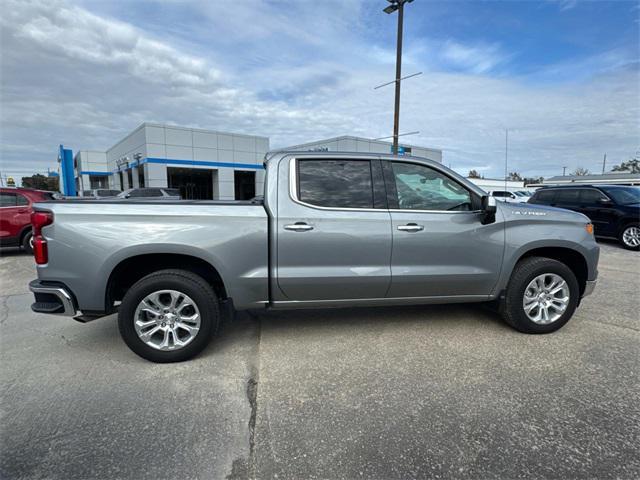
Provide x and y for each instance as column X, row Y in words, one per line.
column 298, row 227
column 410, row 227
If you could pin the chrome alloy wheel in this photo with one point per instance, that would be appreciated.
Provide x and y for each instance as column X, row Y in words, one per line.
column 546, row 298
column 631, row 236
column 167, row 320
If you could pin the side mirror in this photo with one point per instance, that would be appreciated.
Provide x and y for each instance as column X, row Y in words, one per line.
column 604, row 201
column 489, row 208
column 489, row 204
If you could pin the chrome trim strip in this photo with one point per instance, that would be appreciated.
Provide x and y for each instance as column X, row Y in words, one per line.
column 293, row 194
column 433, row 211
column 62, row 295
column 589, row 287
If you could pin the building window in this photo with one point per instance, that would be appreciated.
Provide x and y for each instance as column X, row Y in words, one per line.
column 193, row 183
column 141, row 176
column 98, row 181
column 244, row 185
column 130, row 177
column 121, row 180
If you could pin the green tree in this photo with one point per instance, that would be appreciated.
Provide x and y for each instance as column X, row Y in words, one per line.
column 631, row 166
column 41, row 182
column 473, row 174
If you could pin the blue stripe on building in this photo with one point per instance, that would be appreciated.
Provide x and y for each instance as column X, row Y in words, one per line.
column 173, row 161
column 98, row 174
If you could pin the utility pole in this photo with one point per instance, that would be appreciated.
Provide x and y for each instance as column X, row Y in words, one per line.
column 399, row 6
column 604, row 162
column 564, row 169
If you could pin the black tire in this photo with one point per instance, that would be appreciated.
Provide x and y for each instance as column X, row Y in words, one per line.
column 182, row 281
column 621, row 237
column 26, row 242
column 524, row 272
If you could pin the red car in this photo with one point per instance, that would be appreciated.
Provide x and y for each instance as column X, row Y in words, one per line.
column 15, row 215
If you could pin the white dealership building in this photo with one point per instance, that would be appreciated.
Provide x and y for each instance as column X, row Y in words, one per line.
column 203, row 164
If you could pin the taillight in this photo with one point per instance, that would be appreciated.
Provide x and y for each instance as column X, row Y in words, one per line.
column 39, row 220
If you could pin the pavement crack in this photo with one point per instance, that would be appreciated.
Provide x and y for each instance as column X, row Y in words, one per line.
column 245, row 468
column 625, row 327
column 252, row 397
column 4, row 309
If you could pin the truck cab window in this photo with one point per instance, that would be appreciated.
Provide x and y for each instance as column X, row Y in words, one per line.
column 335, row 183
column 422, row 188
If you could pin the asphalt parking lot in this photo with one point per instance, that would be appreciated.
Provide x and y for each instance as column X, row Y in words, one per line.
column 439, row 391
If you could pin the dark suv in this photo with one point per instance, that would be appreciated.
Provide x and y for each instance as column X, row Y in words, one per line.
column 614, row 210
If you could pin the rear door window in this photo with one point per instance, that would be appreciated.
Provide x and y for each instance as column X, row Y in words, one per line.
column 7, row 199
column 335, row 183
column 545, row 196
column 591, row 196
column 21, row 200
column 568, row 196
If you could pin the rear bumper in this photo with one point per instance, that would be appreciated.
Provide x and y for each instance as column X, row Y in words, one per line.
column 53, row 298
column 589, row 287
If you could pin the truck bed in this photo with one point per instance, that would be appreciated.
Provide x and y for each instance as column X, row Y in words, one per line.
column 90, row 238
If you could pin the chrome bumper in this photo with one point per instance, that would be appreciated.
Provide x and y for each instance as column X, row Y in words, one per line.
column 52, row 299
column 589, row 287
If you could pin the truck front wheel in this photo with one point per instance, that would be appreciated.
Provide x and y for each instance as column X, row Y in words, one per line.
column 541, row 297
column 168, row 316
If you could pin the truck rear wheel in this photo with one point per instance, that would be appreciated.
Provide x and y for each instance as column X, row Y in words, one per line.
column 541, row 297
column 168, row 316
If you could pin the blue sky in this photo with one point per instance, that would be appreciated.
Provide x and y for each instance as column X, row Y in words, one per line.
column 563, row 76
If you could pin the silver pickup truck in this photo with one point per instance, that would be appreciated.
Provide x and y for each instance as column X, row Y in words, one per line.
column 333, row 229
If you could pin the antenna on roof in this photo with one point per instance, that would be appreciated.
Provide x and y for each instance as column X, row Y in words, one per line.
column 506, row 156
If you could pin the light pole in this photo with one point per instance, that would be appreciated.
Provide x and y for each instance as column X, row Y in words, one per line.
column 399, row 6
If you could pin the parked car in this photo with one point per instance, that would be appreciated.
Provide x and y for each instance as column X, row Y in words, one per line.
column 613, row 209
column 333, row 230
column 100, row 193
column 148, row 193
column 505, row 196
column 15, row 215
column 524, row 193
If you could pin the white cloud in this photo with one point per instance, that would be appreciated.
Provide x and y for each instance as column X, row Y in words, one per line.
column 476, row 59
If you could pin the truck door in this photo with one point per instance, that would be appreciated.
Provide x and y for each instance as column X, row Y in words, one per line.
column 440, row 247
column 333, row 229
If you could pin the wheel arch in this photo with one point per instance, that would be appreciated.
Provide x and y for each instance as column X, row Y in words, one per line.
column 625, row 222
column 131, row 269
column 26, row 229
column 568, row 256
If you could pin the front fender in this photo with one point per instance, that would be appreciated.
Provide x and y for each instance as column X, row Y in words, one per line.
column 523, row 237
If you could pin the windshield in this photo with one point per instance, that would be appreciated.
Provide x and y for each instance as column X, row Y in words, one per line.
column 623, row 195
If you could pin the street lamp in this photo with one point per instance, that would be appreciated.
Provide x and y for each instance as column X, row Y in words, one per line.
column 392, row 7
